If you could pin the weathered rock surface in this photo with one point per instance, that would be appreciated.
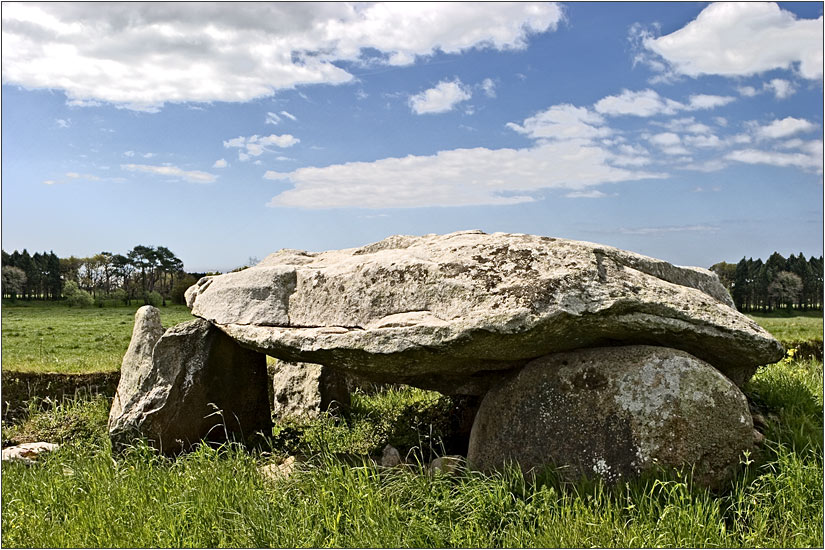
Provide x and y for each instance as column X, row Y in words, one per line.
column 450, row 312
column 614, row 412
column 307, row 389
column 137, row 363
column 195, row 370
column 28, row 453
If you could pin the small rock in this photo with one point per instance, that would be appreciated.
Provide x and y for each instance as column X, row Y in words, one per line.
column 390, row 457
column 28, row 452
column 759, row 421
column 304, row 390
column 278, row 472
column 446, row 465
column 758, row 438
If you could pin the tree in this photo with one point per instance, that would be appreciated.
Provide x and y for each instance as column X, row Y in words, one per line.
column 76, row 296
column 785, row 288
column 726, row 273
column 179, row 290
column 14, row 281
column 740, row 288
column 55, row 281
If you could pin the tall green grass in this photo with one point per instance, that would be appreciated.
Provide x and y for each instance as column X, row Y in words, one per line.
column 82, row 496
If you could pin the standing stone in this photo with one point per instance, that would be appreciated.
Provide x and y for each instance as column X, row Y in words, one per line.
column 307, row 389
column 201, row 385
column 137, row 363
column 615, row 413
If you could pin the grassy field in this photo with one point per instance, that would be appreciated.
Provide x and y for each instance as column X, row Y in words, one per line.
column 83, row 496
column 50, row 337
column 792, row 326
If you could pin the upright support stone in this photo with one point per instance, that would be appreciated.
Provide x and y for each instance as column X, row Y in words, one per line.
column 137, row 363
column 201, row 385
column 307, row 389
column 615, row 413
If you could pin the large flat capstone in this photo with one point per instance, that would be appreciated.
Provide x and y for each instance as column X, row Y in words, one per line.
column 453, row 312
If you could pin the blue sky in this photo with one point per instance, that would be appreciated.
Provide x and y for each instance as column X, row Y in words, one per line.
column 690, row 132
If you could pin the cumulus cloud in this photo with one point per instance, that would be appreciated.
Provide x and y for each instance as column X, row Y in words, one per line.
column 785, row 127
column 685, row 124
column 440, row 99
column 781, row 88
column 740, row 39
column 142, row 55
column 458, row 177
column 704, row 141
column 256, row 145
column 643, row 104
column 194, row 176
column 647, row 103
column 747, row 91
column 220, row 163
column 705, row 101
column 489, row 87
column 810, row 159
column 563, row 121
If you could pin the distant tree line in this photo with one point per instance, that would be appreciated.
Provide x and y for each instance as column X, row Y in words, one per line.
column 792, row 283
column 148, row 273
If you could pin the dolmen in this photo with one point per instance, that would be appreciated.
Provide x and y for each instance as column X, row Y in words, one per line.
column 594, row 359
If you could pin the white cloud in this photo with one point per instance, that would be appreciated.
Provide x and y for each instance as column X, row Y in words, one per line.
column 811, row 160
column 220, row 163
column 784, row 128
column 592, row 194
column 712, row 165
column 644, row 104
column 705, row 101
column 704, row 140
column 194, row 176
column 665, row 139
column 63, row 123
column 459, row 177
column 288, row 115
column 142, row 55
column 668, row 229
column 129, row 153
column 148, row 155
column 685, row 124
column 76, row 176
column 439, row 99
column 563, row 122
column 747, row 91
column 781, row 88
column 743, row 38
column 272, row 118
column 489, row 87
column 256, row 145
